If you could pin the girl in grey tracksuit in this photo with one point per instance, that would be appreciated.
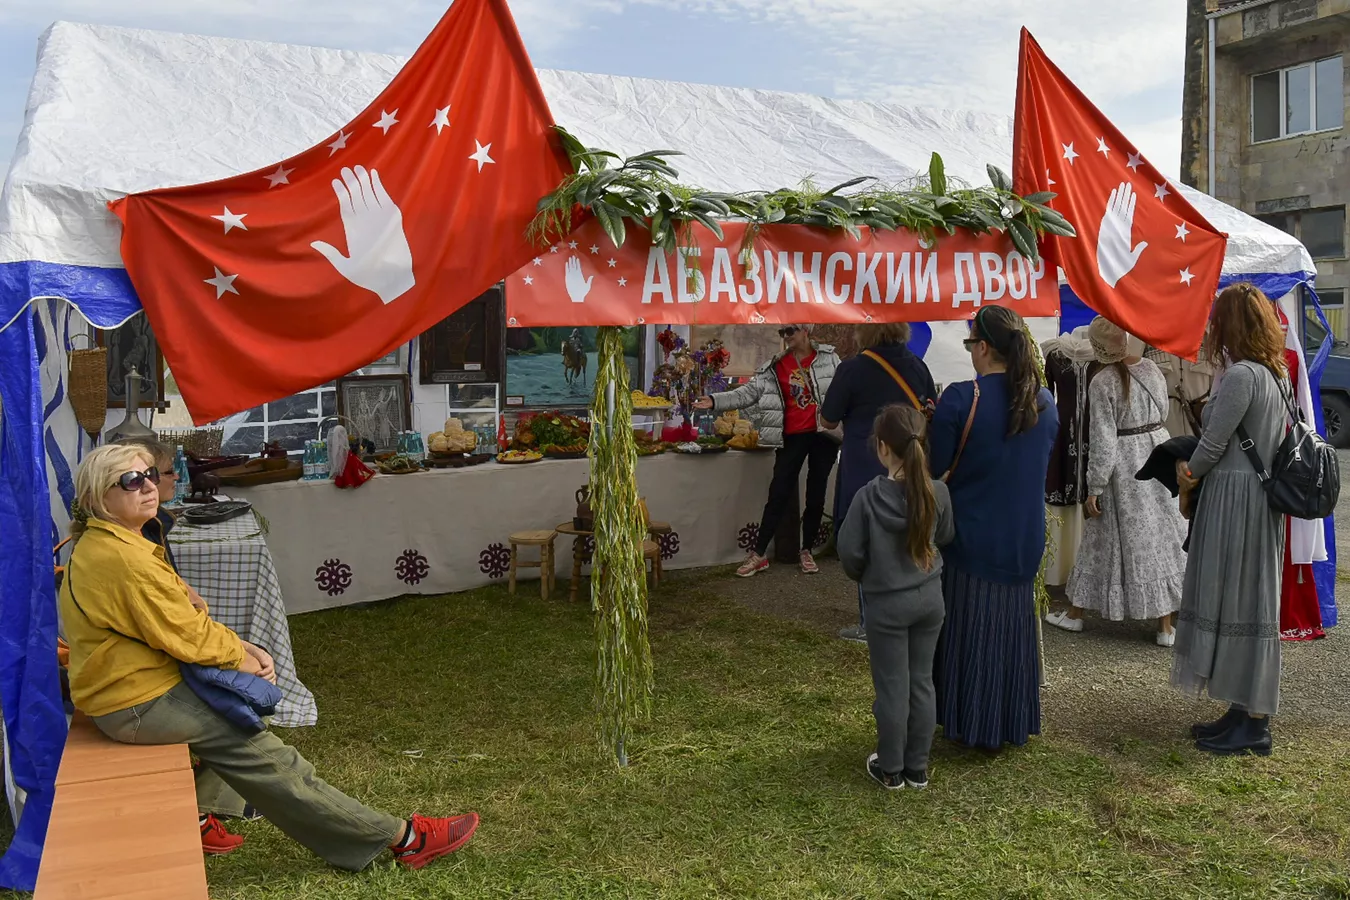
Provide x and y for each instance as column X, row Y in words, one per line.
column 888, row 544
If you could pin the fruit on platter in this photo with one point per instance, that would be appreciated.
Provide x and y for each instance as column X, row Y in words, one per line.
column 518, row 456
column 641, row 400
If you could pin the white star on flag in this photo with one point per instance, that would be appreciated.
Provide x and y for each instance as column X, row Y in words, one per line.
column 280, row 176
column 613, row 263
column 231, row 220
column 1182, row 231
column 442, row 120
column 571, row 245
column 1186, row 276
column 623, row 282
column 224, row 284
column 481, row 155
column 529, row 279
column 1069, row 153
column 339, row 144
column 1102, row 148
column 1050, row 182
column 1135, row 162
column 387, row 121
column 1160, row 191
column 538, row 261
column 594, row 248
column 553, row 249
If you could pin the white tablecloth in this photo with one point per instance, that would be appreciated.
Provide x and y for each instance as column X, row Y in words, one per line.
column 230, row 566
column 447, row 530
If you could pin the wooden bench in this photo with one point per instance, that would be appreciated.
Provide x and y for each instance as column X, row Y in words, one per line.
column 124, row 823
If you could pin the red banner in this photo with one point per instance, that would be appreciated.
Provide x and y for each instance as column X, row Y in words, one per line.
column 792, row 274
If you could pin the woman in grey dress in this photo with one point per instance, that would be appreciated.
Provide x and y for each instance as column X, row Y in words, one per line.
column 1228, row 633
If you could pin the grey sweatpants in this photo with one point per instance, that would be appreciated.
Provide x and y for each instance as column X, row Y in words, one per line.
column 902, row 637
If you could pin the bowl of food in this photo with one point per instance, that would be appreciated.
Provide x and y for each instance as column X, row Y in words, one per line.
column 518, row 457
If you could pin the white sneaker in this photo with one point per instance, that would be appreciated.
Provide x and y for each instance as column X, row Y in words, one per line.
column 1062, row 620
column 1167, row 638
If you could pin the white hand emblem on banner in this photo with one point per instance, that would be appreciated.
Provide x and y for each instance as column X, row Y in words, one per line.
column 1115, row 258
column 378, row 257
column 577, row 286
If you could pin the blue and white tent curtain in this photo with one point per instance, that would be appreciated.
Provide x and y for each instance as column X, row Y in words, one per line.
column 40, row 446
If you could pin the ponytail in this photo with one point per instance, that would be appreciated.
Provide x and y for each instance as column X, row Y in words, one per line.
column 1005, row 333
column 902, row 429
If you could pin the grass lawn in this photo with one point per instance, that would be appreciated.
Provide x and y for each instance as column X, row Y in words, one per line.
column 748, row 782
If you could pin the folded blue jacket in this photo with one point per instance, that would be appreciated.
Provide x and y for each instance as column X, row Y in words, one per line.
column 242, row 699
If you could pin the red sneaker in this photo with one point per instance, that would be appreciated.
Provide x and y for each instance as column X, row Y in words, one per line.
column 434, row 838
column 216, row 841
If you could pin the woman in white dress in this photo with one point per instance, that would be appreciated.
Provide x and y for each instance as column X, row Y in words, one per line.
column 1130, row 564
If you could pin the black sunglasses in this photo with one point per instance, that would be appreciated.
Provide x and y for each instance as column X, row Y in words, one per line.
column 788, row 332
column 134, row 481
column 969, row 343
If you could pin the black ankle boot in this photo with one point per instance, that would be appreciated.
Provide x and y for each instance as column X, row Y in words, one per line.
column 1205, row 731
column 1251, row 735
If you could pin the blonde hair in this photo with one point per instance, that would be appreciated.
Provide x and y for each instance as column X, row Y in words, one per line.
column 161, row 455
column 99, row 473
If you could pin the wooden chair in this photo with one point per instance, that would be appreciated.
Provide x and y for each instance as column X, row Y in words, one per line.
column 651, row 553
column 544, row 541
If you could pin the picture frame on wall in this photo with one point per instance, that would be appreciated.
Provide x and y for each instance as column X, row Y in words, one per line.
column 133, row 345
column 468, row 346
column 380, row 407
column 393, row 362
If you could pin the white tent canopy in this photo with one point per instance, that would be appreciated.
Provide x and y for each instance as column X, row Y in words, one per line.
column 117, row 110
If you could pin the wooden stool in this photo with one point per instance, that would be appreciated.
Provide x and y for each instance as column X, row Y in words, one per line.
column 651, row 552
column 544, row 541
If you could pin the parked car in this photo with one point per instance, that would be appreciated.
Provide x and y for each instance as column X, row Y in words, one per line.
column 1335, row 381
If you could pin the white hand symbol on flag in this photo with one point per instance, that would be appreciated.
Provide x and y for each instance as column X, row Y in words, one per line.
column 1115, row 258
column 378, row 257
column 577, row 286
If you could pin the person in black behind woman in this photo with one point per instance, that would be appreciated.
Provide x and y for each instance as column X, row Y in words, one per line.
column 885, row 372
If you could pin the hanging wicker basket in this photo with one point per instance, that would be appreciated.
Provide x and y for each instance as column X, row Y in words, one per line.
column 87, row 387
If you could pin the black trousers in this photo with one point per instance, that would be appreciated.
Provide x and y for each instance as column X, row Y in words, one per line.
column 818, row 452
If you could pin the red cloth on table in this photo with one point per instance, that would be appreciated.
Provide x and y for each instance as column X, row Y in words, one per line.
column 1300, row 612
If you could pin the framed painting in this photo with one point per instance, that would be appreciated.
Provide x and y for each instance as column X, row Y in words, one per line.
column 467, row 347
column 133, row 346
column 554, row 368
column 380, row 406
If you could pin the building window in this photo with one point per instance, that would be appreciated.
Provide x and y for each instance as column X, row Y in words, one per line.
column 1298, row 100
column 1322, row 231
column 290, row 422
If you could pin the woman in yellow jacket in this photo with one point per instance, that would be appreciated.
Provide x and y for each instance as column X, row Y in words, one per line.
column 130, row 621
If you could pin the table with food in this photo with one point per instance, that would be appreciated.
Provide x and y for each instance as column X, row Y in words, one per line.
column 440, row 521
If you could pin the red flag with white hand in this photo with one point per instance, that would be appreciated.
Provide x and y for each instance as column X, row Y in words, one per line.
column 1143, row 258
column 269, row 283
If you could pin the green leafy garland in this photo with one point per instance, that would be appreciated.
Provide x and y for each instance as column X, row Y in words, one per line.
column 623, row 683
column 644, row 190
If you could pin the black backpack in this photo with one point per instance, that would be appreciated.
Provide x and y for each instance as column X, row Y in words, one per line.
column 1304, row 480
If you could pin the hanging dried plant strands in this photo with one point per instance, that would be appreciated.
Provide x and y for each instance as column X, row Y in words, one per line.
column 623, row 683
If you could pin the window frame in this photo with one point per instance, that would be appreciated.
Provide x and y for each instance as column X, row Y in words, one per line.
column 1284, row 100
column 267, row 424
column 1296, row 218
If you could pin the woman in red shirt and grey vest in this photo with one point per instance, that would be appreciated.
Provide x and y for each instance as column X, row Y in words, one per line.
column 783, row 400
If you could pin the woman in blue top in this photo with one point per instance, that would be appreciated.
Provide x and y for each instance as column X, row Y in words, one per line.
column 988, row 668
